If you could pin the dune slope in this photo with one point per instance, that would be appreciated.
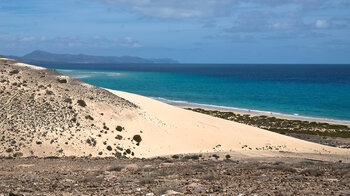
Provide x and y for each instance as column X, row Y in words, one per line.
column 46, row 114
column 171, row 130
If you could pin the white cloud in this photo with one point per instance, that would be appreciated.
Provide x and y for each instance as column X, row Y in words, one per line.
column 180, row 9
column 27, row 39
column 321, row 24
column 281, row 26
column 177, row 9
column 129, row 42
column 236, row 37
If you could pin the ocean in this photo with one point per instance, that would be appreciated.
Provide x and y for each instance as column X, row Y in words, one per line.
column 307, row 91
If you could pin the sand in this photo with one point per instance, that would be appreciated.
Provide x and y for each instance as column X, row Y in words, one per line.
column 41, row 116
column 172, row 130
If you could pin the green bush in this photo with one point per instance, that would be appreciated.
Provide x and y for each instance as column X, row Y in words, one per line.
column 137, row 138
column 14, row 72
column 18, row 154
column 81, row 103
column 119, row 128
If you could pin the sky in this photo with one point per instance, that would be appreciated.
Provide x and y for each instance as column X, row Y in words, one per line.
column 190, row 31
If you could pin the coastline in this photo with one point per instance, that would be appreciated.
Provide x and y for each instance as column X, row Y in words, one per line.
column 290, row 112
column 272, row 114
column 308, row 109
column 251, row 112
column 122, row 124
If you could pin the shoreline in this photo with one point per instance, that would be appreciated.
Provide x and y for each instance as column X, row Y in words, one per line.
column 251, row 112
column 254, row 112
column 280, row 116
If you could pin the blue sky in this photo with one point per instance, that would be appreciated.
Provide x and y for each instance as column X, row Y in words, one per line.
column 191, row 31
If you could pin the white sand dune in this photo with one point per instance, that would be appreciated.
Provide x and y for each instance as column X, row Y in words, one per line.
column 171, row 130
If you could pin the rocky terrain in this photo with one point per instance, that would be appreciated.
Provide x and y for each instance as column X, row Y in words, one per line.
column 218, row 174
column 43, row 113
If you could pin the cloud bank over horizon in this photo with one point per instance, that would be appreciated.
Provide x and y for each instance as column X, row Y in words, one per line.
column 196, row 31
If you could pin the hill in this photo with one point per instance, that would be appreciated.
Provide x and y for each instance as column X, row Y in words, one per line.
column 40, row 56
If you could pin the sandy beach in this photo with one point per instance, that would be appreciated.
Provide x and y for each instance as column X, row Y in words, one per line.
column 189, row 132
column 270, row 114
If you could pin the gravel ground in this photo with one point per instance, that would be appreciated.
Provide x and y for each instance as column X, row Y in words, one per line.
column 190, row 175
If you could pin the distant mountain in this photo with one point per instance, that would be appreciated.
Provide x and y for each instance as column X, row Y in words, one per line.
column 39, row 56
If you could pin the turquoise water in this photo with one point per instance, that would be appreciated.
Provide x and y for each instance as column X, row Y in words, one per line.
column 324, row 93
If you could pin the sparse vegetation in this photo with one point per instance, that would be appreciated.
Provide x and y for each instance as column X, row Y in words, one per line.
column 119, row 128
column 62, row 80
column 14, row 72
column 137, row 138
column 91, row 141
column 157, row 176
column 282, row 126
column 312, row 172
column 49, row 92
column 116, row 168
column 89, row 117
column 81, row 103
column 68, row 100
column 18, row 154
column 109, row 148
column 146, row 180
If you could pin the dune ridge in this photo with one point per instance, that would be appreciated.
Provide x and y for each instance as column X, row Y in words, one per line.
column 44, row 113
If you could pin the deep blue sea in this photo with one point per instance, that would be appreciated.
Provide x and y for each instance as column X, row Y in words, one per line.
column 317, row 91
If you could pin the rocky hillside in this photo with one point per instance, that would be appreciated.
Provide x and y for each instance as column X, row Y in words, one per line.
column 43, row 113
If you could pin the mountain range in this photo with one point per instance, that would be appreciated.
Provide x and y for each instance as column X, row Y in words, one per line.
column 39, row 56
